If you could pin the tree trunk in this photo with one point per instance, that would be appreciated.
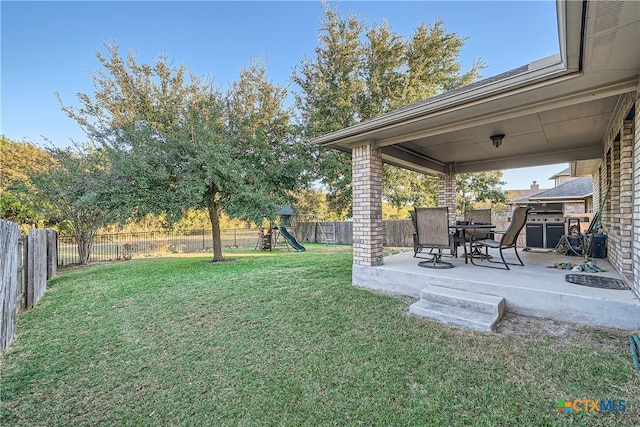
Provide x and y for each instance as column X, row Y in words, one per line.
column 215, row 225
column 84, row 248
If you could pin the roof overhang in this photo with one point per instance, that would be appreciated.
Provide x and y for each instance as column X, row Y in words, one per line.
column 553, row 110
column 561, row 199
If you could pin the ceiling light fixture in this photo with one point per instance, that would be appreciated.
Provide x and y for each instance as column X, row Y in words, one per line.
column 497, row 139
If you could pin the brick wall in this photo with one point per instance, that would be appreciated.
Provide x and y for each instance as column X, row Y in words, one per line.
column 619, row 225
column 368, row 231
column 595, row 179
column 618, row 182
column 613, row 207
column 625, row 198
column 573, row 208
column 635, row 178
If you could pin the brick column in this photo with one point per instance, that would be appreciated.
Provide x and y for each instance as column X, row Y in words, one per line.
column 613, row 205
column 626, row 198
column 636, row 198
column 447, row 194
column 595, row 177
column 368, row 228
column 605, row 189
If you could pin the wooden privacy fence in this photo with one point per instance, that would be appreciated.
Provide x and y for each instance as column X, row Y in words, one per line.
column 397, row 232
column 26, row 263
column 41, row 264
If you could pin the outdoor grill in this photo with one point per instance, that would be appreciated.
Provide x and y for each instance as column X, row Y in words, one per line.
column 545, row 225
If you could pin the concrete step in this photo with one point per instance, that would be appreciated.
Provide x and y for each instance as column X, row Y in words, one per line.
column 472, row 301
column 461, row 308
column 455, row 316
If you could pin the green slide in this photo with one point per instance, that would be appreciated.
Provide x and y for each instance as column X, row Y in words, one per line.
column 291, row 240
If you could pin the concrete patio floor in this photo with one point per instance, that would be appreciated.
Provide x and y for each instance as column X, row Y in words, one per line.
column 532, row 290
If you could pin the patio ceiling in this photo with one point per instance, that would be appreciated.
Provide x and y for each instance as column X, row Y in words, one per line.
column 555, row 110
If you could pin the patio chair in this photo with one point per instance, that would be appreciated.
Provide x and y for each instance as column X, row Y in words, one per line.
column 508, row 240
column 478, row 216
column 432, row 232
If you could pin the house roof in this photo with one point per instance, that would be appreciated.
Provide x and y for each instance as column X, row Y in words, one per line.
column 554, row 110
column 521, row 195
column 519, row 201
column 578, row 188
column 564, row 172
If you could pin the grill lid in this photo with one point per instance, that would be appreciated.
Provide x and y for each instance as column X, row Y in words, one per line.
column 545, row 208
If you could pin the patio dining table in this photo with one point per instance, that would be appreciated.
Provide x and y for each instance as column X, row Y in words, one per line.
column 461, row 231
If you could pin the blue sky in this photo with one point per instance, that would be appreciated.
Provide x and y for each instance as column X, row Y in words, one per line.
column 49, row 46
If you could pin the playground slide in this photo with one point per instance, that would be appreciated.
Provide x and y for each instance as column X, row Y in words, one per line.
column 291, row 240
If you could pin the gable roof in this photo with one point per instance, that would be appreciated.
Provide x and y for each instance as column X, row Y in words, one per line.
column 579, row 188
column 520, row 196
column 564, row 172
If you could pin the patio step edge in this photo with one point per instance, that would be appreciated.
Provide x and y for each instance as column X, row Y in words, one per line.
column 472, row 301
column 457, row 316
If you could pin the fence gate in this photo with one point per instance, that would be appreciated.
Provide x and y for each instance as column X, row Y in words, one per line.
column 326, row 232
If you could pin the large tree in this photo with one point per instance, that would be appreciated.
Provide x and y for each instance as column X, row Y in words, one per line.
column 176, row 141
column 77, row 194
column 359, row 72
column 473, row 188
column 404, row 187
column 274, row 159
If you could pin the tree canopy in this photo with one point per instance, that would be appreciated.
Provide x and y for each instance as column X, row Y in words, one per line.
column 175, row 141
column 21, row 160
column 361, row 71
column 77, row 194
column 481, row 187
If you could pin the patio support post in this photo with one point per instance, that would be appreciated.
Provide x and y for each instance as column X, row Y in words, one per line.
column 626, row 199
column 447, row 194
column 368, row 228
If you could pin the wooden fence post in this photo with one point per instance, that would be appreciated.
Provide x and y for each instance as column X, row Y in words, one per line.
column 9, row 283
column 52, row 254
column 30, row 266
column 37, row 266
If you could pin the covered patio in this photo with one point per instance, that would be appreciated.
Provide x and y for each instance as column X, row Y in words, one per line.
column 579, row 106
column 533, row 290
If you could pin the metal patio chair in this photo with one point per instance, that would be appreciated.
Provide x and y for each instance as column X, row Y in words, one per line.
column 432, row 232
column 508, row 240
column 478, row 216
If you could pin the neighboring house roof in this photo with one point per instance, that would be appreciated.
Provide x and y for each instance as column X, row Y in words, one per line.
column 561, row 173
column 520, row 195
column 579, row 188
column 519, row 201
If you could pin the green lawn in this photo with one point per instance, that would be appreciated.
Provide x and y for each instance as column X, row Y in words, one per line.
column 282, row 338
